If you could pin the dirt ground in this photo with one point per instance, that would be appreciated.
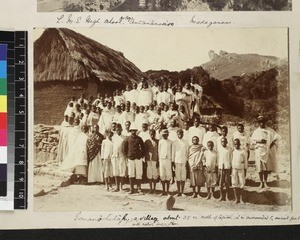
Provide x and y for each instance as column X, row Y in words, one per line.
column 96, row 197
column 50, row 196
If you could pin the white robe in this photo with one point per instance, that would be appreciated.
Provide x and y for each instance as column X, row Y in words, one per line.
column 173, row 133
column 262, row 150
column 144, row 97
column 77, row 154
column 105, row 120
column 62, row 142
column 182, row 98
column 164, row 97
column 155, row 91
column 133, row 96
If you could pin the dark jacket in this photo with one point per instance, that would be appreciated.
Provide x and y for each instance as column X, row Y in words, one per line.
column 133, row 148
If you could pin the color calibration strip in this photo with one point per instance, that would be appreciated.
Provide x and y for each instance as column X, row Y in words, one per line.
column 3, row 120
column 16, row 98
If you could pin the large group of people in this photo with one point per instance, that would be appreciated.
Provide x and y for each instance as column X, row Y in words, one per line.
column 155, row 134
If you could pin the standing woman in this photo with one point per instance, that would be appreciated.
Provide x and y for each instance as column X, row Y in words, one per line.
column 197, row 178
column 95, row 168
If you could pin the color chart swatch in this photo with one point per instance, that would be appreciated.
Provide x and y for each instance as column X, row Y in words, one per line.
column 3, row 120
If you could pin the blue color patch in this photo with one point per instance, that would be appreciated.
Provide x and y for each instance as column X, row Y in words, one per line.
column 3, row 69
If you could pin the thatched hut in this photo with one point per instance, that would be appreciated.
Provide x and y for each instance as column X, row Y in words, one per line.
column 67, row 64
column 209, row 107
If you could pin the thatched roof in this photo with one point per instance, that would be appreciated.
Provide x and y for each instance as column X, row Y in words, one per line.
column 64, row 55
column 209, row 102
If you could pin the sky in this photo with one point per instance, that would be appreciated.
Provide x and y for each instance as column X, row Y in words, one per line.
column 177, row 49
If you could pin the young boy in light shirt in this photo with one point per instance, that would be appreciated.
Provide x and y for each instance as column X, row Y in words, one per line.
column 165, row 161
column 180, row 155
column 106, row 155
column 210, row 167
column 239, row 164
column 151, row 157
column 224, row 163
column 118, row 159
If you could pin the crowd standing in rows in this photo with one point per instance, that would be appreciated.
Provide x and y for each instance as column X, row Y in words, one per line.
column 155, row 133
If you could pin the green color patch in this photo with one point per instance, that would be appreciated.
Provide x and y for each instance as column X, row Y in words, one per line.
column 3, row 86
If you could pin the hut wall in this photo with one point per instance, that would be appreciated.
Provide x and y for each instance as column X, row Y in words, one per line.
column 51, row 99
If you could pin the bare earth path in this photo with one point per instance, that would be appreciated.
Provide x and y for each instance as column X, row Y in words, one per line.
column 95, row 197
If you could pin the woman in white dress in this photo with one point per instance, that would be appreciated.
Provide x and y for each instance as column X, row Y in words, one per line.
column 95, row 166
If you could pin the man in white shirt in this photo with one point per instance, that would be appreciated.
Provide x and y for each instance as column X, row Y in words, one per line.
column 165, row 161
column 155, row 90
column 224, row 165
column 210, row 135
column 185, row 130
column 106, row 117
column 173, row 130
column 243, row 137
column 197, row 131
column 126, row 116
column 163, row 96
column 134, row 93
column 196, row 86
column 127, row 94
column 145, row 95
column 180, row 155
column 239, row 164
column 144, row 134
column 106, row 154
column 118, row 159
column 118, row 98
column 117, row 115
column 264, row 141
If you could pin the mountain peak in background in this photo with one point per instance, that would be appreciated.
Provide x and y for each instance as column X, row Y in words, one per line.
column 64, row 55
column 226, row 65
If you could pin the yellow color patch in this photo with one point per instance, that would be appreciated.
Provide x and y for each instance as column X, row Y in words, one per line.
column 3, row 103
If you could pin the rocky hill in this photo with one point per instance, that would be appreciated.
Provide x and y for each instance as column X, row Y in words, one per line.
column 225, row 65
column 246, row 95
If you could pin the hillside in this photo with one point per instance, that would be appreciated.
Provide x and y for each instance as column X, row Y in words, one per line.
column 225, row 65
column 246, row 96
column 64, row 55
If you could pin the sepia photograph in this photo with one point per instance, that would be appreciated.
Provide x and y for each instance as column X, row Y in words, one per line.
column 162, row 5
column 151, row 119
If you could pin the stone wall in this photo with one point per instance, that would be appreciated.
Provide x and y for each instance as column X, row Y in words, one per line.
column 45, row 143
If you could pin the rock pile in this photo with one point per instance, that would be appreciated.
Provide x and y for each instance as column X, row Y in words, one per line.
column 45, row 143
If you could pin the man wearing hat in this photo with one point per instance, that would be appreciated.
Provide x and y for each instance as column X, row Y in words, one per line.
column 134, row 150
column 165, row 160
column 263, row 140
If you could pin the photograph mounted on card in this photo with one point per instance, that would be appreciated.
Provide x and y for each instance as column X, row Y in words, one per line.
column 162, row 5
column 145, row 119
